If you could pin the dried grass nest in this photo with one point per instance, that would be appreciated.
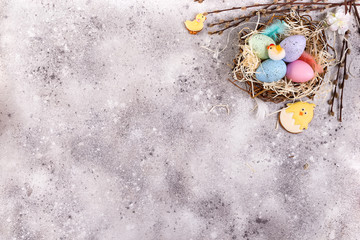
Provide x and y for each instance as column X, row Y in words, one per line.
column 247, row 62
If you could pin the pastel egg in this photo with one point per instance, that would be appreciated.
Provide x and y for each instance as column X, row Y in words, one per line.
column 259, row 43
column 299, row 71
column 294, row 46
column 271, row 70
column 306, row 57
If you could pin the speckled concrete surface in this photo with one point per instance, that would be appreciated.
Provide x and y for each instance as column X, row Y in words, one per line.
column 105, row 133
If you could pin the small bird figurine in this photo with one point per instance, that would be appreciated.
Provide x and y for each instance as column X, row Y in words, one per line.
column 197, row 25
column 297, row 116
column 276, row 52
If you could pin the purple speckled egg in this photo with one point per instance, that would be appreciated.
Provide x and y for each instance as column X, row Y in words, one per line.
column 299, row 71
column 294, row 46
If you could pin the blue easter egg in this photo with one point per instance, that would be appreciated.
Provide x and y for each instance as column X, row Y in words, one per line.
column 271, row 70
column 294, row 46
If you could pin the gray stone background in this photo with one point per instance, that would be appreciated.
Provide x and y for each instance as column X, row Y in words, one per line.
column 106, row 133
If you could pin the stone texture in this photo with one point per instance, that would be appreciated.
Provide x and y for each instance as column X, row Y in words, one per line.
column 106, row 133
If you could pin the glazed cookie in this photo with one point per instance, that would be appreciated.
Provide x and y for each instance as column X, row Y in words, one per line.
column 296, row 117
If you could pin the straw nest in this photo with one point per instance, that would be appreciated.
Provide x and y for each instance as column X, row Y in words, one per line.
column 247, row 62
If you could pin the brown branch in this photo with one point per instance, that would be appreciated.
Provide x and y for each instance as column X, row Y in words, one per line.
column 242, row 19
column 230, row 26
column 346, row 7
column 284, row 4
column 227, row 21
column 335, row 94
column 345, row 76
column 233, row 82
column 357, row 17
column 274, row 9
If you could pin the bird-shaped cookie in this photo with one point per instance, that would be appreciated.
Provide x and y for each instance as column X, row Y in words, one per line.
column 197, row 25
column 276, row 52
column 296, row 117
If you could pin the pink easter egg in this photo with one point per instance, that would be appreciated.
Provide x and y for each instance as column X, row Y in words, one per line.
column 306, row 57
column 299, row 71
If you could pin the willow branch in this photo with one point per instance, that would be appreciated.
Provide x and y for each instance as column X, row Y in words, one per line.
column 345, row 76
column 329, row 5
column 335, row 94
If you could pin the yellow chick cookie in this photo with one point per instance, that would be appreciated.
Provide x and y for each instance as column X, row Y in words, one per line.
column 197, row 25
column 276, row 52
column 296, row 117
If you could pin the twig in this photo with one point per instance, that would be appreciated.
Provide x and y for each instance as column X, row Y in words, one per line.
column 335, row 94
column 357, row 17
column 284, row 4
column 346, row 7
column 248, row 16
column 233, row 82
column 230, row 26
column 272, row 9
column 241, row 20
column 341, row 64
column 345, row 77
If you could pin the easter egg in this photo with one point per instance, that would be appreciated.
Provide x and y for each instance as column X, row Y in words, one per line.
column 299, row 71
column 294, row 46
column 259, row 43
column 271, row 70
column 306, row 57
column 296, row 117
